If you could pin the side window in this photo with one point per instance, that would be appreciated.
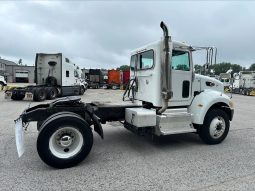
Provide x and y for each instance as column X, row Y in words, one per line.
column 180, row 60
column 146, row 60
column 67, row 73
column 133, row 62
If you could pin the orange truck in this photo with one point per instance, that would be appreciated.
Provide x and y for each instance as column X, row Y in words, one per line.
column 114, row 79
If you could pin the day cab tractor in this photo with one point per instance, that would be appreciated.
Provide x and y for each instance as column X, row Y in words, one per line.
column 167, row 97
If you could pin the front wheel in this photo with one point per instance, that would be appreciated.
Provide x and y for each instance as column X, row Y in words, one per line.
column 215, row 127
column 64, row 140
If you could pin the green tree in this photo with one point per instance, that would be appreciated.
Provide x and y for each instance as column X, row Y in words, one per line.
column 236, row 68
column 198, row 68
column 123, row 68
column 252, row 67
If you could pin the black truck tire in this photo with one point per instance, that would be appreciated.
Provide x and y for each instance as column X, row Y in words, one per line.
column 82, row 90
column 215, row 127
column 39, row 94
column 52, row 93
column 64, row 140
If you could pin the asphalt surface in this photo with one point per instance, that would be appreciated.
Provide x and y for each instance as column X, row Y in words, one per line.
column 125, row 161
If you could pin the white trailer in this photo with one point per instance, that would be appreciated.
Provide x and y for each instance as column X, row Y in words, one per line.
column 244, row 83
column 55, row 76
column 169, row 99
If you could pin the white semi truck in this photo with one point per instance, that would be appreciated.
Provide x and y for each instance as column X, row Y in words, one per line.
column 244, row 83
column 169, row 98
column 55, row 76
column 2, row 82
column 225, row 79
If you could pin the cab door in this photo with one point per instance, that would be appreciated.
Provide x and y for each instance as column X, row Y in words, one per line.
column 181, row 78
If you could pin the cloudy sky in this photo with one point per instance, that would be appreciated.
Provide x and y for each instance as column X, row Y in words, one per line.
column 100, row 34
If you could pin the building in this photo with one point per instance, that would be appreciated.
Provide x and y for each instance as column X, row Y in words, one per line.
column 2, row 68
column 15, row 73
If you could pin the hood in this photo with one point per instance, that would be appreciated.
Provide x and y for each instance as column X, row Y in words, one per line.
column 210, row 83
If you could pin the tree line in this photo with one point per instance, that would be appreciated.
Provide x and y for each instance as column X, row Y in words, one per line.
column 215, row 69
column 223, row 67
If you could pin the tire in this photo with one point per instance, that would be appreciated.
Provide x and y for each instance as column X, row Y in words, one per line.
column 51, row 81
column 215, row 127
column 59, row 91
column 82, row 90
column 52, row 93
column 39, row 94
column 64, row 140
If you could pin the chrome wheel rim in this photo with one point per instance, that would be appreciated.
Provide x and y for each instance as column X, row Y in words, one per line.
column 66, row 142
column 217, row 127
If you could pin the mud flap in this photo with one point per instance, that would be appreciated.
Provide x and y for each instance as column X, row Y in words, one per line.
column 97, row 125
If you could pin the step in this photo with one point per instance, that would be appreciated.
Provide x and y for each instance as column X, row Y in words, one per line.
column 174, row 121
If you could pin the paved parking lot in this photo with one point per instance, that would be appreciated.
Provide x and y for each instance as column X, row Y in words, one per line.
column 125, row 161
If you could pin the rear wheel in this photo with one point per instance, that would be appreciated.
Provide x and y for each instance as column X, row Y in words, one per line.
column 215, row 127
column 64, row 140
column 52, row 93
column 39, row 94
column 82, row 90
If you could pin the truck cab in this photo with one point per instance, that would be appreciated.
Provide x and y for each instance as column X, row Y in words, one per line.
column 146, row 67
column 176, row 99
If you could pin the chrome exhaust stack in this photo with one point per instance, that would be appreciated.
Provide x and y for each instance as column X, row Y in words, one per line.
column 166, row 71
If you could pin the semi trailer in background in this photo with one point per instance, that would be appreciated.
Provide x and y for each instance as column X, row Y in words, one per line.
column 114, row 79
column 55, row 76
column 95, row 78
column 125, row 78
column 244, row 83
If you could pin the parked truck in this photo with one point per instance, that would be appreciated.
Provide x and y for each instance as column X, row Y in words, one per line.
column 114, row 79
column 244, row 83
column 95, row 78
column 225, row 79
column 55, row 76
column 169, row 98
column 125, row 77
column 2, row 82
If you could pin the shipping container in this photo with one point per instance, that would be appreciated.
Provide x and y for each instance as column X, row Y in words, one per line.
column 114, row 79
column 126, row 77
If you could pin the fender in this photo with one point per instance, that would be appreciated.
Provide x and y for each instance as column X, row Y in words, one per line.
column 204, row 101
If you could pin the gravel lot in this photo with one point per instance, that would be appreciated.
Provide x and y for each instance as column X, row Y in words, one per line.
column 125, row 161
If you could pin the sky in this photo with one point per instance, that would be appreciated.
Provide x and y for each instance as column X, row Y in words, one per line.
column 101, row 34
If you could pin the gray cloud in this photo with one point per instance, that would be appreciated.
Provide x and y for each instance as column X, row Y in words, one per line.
column 101, row 34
